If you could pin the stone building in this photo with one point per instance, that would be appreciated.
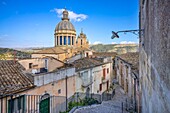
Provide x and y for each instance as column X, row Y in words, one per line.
column 127, row 75
column 66, row 44
column 39, row 65
column 155, row 55
column 93, row 75
column 23, row 92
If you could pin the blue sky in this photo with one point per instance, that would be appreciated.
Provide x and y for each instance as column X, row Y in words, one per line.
column 31, row 23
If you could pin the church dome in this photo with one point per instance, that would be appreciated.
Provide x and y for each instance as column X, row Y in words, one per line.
column 65, row 24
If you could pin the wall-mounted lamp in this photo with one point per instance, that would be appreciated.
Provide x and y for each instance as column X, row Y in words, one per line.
column 115, row 34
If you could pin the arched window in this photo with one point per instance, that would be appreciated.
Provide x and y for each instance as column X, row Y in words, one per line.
column 81, row 42
column 60, row 40
column 69, row 43
column 65, row 41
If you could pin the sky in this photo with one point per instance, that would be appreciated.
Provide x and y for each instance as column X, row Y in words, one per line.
column 31, row 23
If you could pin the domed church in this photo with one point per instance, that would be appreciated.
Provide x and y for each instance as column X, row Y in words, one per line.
column 65, row 34
column 66, row 44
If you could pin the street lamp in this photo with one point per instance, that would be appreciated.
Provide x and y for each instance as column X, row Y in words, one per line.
column 115, row 34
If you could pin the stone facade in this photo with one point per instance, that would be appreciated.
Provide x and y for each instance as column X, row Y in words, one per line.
column 155, row 55
column 94, row 77
column 127, row 75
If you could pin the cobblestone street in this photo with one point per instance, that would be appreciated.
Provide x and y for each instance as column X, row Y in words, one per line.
column 112, row 106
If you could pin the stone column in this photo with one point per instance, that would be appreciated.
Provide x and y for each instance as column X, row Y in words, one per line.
column 67, row 39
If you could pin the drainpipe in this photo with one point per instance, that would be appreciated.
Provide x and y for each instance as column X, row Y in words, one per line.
column 91, row 80
column 66, row 88
column 135, row 92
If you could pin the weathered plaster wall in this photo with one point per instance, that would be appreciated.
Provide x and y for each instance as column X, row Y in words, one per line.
column 155, row 55
column 94, row 77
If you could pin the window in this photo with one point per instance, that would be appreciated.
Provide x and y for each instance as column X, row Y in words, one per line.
column 72, row 40
column 65, row 41
column 57, row 40
column 104, row 74
column 100, row 87
column 17, row 104
column 60, row 40
column 81, row 42
column 107, row 70
column 30, row 65
column 46, row 63
column 69, row 43
column 59, row 91
column 87, row 55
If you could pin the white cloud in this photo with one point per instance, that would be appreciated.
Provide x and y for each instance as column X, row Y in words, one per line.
column 114, row 42
column 97, row 42
column 128, row 42
column 72, row 15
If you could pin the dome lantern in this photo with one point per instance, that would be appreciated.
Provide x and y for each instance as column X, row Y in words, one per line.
column 65, row 15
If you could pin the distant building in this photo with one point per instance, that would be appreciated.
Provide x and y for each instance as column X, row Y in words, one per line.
column 154, row 19
column 66, row 43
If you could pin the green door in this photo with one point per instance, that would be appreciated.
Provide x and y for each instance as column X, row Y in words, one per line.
column 45, row 105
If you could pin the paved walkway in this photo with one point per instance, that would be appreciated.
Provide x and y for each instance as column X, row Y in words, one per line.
column 112, row 106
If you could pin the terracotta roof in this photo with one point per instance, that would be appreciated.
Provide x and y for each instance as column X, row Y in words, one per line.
column 131, row 58
column 54, row 50
column 105, row 54
column 80, row 49
column 86, row 63
column 12, row 77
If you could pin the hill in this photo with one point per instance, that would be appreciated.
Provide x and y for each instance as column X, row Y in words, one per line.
column 8, row 54
column 119, row 48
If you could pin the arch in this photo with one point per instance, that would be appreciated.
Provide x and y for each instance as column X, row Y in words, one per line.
column 88, row 92
column 44, row 105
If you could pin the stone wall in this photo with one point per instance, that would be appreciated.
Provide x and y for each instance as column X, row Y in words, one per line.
column 155, row 55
